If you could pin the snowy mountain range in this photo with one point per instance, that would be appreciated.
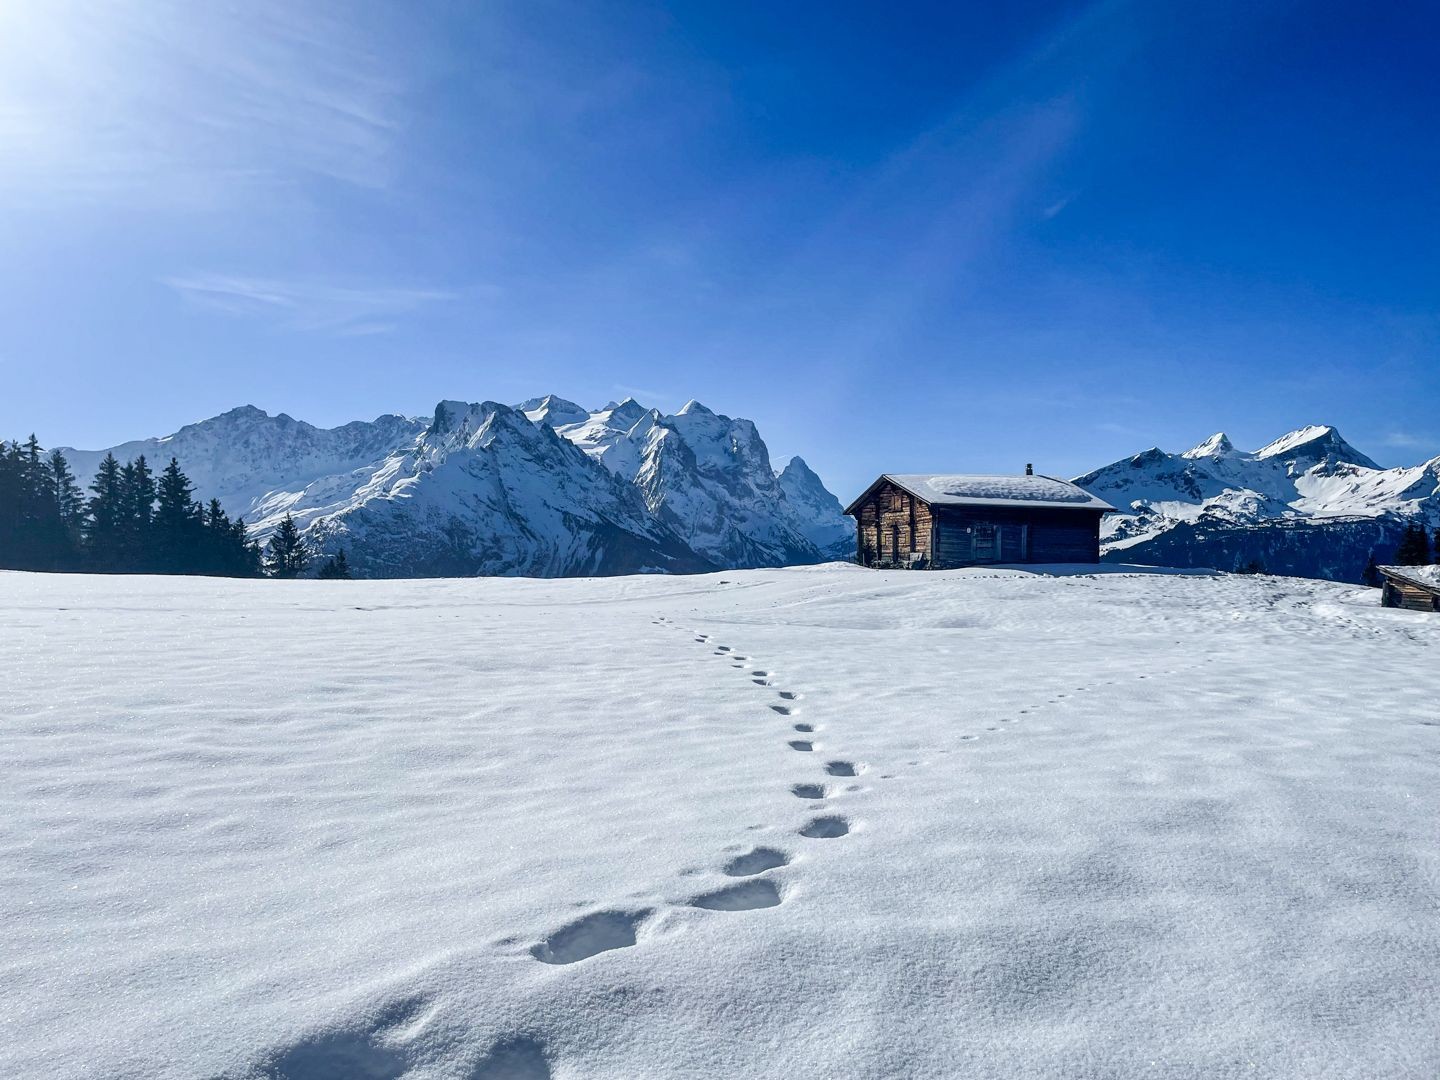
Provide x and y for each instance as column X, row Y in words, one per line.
column 545, row 488
column 548, row 488
column 1307, row 504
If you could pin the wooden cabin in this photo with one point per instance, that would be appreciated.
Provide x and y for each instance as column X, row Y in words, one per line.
column 938, row 522
column 1413, row 587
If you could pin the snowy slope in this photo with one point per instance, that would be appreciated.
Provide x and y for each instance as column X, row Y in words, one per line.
column 822, row 822
column 1308, row 503
column 412, row 497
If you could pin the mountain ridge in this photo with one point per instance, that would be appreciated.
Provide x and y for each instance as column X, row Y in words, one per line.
column 1307, row 503
column 543, row 488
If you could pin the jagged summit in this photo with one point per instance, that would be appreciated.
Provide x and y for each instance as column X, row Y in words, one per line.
column 826, row 526
column 245, row 412
column 1314, row 442
column 626, row 412
column 1214, row 446
column 552, row 410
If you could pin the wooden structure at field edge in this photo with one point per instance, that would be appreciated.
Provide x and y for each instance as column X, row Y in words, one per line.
column 1401, row 590
column 900, row 523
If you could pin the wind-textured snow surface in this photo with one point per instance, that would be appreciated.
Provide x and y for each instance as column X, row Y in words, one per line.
column 817, row 822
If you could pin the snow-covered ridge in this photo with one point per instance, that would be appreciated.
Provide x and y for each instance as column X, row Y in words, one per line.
column 545, row 488
column 1308, row 502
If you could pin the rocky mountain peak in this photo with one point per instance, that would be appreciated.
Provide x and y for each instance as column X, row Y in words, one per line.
column 1215, row 446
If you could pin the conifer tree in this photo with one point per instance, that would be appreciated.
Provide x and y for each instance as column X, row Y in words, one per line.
column 14, row 507
column 177, row 523
column 1371, row 574
column 43, row 542
column 104, row 513
column 69, row 501
column 285, row 554
column 137, row 498
column 1414, row 549
column 336, row 568
column 248, row 560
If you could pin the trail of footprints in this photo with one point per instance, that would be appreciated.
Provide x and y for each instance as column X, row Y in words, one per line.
column 603, row 931
column 378, row 1049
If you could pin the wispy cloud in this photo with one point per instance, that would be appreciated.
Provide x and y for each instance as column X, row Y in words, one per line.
column 640, row 393
column 1055, row 208
column 316, row 308
column 1407, row 441
column 166, row 99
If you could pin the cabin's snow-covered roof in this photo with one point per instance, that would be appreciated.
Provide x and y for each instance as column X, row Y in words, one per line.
column 1429, row 576
column 972, row 490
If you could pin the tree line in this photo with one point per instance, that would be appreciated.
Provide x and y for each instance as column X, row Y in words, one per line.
column 132, row 522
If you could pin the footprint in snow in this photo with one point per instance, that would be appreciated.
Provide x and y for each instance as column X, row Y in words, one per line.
column 788, row 695
column 841, row 768
column 584, row 938
column 805, row 727
column 517, row 1058
column 809, row 791
column 744, row 896
column 755, row 861
column 373, row 1051
column 801, row 745
column 826, row 828
column 783, row 710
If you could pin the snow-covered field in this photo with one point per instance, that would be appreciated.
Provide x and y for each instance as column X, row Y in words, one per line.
column 823, row 822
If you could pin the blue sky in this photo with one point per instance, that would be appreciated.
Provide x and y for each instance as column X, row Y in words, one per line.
column 907, row 237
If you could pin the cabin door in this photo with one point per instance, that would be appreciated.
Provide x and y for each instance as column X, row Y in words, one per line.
column 985, row 540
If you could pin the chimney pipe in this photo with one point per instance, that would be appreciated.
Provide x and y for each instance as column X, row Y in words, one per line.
column 1029, row 469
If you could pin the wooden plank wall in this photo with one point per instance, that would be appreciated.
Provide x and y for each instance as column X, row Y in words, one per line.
column 1062, row 536
column 891, row 527
column 1402, row 594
